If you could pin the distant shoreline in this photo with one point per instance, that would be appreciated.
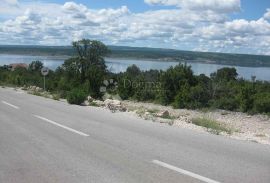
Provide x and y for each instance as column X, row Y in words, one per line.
column 155, row 54
column 64, row 57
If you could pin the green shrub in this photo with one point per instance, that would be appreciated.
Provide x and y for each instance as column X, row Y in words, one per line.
column 76, row 96
column 262, row 103
column 226, row 103
column 246, row 98
column 62, row 94
column 125, row 89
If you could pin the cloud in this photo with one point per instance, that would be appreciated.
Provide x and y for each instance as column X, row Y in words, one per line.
column 11, row 2
column 181, row 28
column 267, row 14
column 73, row 7
column 203, row 5
column 239, row 35
column 7, row 6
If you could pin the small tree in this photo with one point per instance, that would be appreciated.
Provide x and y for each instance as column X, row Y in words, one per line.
column 172, row 80
column 89, row 53
column 225, row 74
column 88, row 67
column 35, row 66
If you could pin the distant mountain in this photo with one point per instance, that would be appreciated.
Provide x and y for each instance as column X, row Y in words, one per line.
column 144, row 53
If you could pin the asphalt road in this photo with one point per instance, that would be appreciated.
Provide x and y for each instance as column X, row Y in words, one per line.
column 42, row 140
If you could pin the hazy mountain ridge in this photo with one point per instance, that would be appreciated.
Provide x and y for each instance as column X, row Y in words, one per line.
column 148, row 53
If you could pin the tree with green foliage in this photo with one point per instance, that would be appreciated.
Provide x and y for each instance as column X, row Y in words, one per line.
column 87, row 68
column 246, row 97
column 89, row 53
column 183, row 98
column 126, row 82
column 172, row 80
column 225, row 74
column 35, row 66
column 125, row 89
column 84, row 73
column 133, row 71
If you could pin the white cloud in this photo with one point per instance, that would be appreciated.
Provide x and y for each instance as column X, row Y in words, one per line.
column 203, row 5
column 267, row 14
column 73, row 7
column 182, row 28
column 11, row 2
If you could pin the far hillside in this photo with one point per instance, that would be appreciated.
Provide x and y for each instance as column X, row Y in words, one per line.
column 149, row 53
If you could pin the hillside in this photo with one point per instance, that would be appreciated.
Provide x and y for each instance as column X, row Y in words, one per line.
column 149, row 53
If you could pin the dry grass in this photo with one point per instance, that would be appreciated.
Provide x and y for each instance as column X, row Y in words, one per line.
column 211, row 125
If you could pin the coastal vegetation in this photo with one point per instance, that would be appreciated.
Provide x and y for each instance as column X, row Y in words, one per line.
column 85, row 72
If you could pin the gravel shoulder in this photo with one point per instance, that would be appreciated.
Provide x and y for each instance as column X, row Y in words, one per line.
column 255, row 128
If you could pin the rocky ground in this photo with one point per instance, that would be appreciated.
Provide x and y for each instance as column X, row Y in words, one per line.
column 255, row 128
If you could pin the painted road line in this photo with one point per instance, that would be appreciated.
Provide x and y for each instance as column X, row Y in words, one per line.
column 185, row 172
column 62, row 126
column 11, row 105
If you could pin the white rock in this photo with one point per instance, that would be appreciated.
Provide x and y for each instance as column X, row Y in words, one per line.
column 89, row 99
column 114, row 105
column 112, row 102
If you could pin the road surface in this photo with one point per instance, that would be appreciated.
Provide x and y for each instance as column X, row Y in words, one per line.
column 42, row 140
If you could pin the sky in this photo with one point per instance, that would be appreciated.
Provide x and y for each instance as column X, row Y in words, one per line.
column 230, row 26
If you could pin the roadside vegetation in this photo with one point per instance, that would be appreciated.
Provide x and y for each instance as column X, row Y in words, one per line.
column 76, row 96
column 212, row 126
column 83, row 75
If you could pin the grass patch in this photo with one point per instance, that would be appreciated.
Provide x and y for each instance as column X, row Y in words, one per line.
column 56, row 97
column 168, row 117
column 35, row 93
column 141, row 111
column 224, row 113
column 94, row 104
column 206, row 109
column 152, row 111
column 212, row 126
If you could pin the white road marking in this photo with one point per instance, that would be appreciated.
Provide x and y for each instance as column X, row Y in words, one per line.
column 185, row 172
column 11, row 105
column 62, row 126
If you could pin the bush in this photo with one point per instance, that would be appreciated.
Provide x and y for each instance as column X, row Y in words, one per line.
column 76, row 96
column 125, row 89
column 173, row 80
column 226, row 103
column 262, row 103
column 192, row 98
column 246, row 98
